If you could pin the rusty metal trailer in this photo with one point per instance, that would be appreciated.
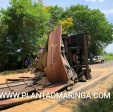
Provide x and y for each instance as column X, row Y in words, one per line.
column 63, row 62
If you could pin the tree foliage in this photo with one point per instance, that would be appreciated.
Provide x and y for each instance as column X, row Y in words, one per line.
column 94, row 23
column 66, row 24
column 26, row 22
column 24, row 26
column 55, row 15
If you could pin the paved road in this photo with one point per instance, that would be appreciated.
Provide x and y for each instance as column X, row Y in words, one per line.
column 98, row 70
column 106, row 64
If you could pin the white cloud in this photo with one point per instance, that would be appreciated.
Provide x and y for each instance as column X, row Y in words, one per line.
column 94, row 0
column 110, row 11
column 101, row 0
column 90, row 0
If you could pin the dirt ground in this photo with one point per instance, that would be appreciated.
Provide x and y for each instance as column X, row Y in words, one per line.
column 71, row 105
column 67, row 106
column 13, row 74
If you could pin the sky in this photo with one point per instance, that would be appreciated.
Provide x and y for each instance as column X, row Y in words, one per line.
column 106, row 6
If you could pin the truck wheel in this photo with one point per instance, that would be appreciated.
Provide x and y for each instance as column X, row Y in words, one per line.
column 75, row 80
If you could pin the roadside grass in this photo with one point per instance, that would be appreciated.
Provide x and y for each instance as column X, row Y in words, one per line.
column 96, row 105
column 108, row 56
column 12, row 72
column 5, row 73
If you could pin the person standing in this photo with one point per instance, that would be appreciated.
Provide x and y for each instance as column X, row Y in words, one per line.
column 28, row 63
column 91, row 58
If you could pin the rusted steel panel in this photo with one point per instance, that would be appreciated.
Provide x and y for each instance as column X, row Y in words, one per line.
column 54, row 88
column 15, row 79
column 55, row 71
column 9, row 103
column 41, row 62
column 6, row 102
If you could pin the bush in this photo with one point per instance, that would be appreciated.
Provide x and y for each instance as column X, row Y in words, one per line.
column 108, row 56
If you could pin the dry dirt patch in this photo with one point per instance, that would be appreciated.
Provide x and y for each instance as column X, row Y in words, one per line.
column 13, row 74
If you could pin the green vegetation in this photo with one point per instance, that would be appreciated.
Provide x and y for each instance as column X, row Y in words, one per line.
column 108, row 56
column 25, row 25
column 97, row 105
column 94, row 23
column 13, row 72
column 5, row 73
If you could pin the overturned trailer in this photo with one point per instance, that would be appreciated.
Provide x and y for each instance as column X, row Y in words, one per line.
column 61, row 63
column 64, row 59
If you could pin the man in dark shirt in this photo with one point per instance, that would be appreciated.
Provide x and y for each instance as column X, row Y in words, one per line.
column 28, row 63
column 91, row 58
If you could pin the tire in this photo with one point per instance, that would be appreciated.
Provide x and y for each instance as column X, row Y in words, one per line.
column 102, row 61
column 75, row 80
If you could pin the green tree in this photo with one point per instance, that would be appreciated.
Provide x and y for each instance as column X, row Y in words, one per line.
column 3, row 45
column 26, row 22
column 55, row 15
column 92, row 22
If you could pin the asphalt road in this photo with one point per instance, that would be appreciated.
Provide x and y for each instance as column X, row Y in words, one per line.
column 97, row 70
column 106, row 64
